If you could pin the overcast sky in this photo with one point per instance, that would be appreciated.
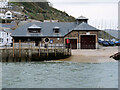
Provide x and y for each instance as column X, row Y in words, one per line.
column 101, row 13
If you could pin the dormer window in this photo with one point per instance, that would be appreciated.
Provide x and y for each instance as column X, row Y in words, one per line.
column 56, row 30
column 34, row 29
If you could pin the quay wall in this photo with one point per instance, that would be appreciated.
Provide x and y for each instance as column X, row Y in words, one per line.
column 33, row 54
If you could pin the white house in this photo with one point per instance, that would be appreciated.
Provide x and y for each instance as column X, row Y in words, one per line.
column 3, row 4
column 8, row 15
column 2, row 15
column 5, row 38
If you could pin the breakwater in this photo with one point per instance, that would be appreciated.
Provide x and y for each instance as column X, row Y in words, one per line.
column 33, row 54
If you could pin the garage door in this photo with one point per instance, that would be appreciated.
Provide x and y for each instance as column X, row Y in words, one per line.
column 88, row 42
column 73, row 43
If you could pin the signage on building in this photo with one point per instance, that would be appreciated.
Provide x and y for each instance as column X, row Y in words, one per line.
column 88, row 33
column 51, row 41
column 68, row 41
column 46, row 40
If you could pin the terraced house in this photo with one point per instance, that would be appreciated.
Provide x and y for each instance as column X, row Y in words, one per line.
column 80, row 34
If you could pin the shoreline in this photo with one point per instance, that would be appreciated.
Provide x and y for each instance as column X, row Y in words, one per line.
column 101, row 55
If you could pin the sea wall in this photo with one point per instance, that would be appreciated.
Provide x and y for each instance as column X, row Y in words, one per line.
column 36, row 54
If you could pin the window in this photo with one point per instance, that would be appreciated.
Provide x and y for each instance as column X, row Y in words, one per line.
column 0, row 39
column 30, row 30
column 8, row 14
column 56, row 30
column 8, row 17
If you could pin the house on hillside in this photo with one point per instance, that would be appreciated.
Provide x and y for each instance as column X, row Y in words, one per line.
column 6, row 15
column 79, row 34
column 5, row 5
column 5, row 38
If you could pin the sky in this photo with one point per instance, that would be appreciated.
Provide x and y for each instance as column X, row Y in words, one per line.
column 102, row 14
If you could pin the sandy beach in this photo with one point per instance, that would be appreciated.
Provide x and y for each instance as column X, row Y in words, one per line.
column 93, row 56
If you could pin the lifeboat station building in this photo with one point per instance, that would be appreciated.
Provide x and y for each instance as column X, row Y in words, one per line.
column 79, row 34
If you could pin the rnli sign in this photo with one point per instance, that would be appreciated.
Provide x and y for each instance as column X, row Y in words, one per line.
column 51, row 41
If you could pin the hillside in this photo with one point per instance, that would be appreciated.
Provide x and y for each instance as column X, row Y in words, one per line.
column 114, row 33
column 42, row 11
column 106, row 35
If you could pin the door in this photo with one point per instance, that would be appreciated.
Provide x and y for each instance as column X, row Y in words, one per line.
column 88, row 41
column 73, row 43
column 36, row 43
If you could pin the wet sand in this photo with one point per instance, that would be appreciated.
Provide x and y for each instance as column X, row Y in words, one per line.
column 93, row 56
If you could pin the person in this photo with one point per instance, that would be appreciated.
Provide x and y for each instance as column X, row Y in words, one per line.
column 45, row 45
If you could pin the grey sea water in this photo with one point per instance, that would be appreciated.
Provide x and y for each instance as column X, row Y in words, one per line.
column 60, row 75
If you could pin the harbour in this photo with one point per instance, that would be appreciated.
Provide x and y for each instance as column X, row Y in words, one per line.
column 84, row 69
column 59, row 44
column 59, row 74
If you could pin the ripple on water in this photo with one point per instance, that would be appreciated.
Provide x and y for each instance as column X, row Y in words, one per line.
column 60, row 75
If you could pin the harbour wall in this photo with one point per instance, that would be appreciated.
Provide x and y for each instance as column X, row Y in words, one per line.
column 33, row 54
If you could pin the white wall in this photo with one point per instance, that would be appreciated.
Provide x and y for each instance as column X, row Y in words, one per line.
column 8, row 14
column 5, row 38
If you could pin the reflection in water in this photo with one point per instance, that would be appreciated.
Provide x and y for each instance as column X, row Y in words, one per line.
column 60, row 75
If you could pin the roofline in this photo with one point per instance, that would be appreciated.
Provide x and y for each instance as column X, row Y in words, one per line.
column 55, row 36
column 81, row 30
column 82, row 19
column 87, row 30
column 40, row 36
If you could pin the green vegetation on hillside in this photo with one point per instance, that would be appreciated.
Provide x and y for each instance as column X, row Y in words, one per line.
column 105, row 35
column 42, row 11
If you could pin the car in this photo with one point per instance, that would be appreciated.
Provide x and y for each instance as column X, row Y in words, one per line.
column 111, row 43
column 117, row 43
column 100, row 41
column 105, row 43
column 114, row 40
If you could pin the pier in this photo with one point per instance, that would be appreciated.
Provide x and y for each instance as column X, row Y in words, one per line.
column 33, row 53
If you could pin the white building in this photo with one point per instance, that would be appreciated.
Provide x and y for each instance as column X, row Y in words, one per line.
column 3, row 4
column 5, row 38
column 2, row 15
column 8, row 15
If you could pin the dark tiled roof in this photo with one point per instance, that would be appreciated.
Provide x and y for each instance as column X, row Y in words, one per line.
column 11, row 25
column 47, row 29
column 85, row 26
